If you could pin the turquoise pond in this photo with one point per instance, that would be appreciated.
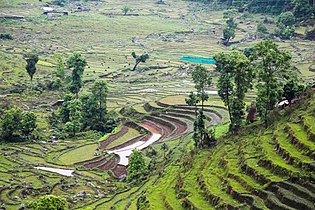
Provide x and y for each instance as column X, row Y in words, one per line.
column 198, row 60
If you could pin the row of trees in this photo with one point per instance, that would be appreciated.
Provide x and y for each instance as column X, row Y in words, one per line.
column 265, row 65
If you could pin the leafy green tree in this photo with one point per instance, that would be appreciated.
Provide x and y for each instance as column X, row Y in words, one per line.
column 28, row 123
column 228, row 34
column 303, row 10
column 89, row 111
column 75, row 117
column 15, row 122
column 99, row 94
column 286, row 19
column 50, row 202
column 292, row 89
column 261, row 28
column 125, row 10
column 77, row 63
column 60, row 67
column 10, row 122
column 230, row 13
column 64, row 110
column 229, row 30
column 286, row 28
column 136, row 167
column 235, row 80
column 192, row 100
column 271, row 64
column 142, row 58
column 202, row 79
column 284, row 32
column 31, row 61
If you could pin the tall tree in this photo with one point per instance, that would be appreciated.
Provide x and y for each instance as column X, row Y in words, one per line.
column 271, row 64
column 75, row 117
column 136, row 166
column 192, row 100
column 64, row 111
column 77, row 63
column 31, row 61
column 142, row 58
column 229, row 30
column 60, row 67
column 99, row 94
column 235, row 80
column 202, row 79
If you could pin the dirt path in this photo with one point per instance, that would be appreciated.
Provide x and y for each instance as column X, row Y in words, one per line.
column 125, row 152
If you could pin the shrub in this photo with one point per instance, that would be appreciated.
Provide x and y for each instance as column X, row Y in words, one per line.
column 60, row 2
column 6, row 36
column 261, row 28
column 48, row 202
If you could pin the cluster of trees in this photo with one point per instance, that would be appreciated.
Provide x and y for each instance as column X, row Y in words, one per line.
column 235, row 80
column 267, row 64
column 77, row 113
column 290, row 13
column 17, row 123
column 85, row 112
column 50, row 202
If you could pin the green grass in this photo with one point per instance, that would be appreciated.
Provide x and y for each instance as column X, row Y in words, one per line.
column 301, row 135
column 132, row 133
column 281, row 137
column 268, row 148
column 79, row 154
column 309, row 122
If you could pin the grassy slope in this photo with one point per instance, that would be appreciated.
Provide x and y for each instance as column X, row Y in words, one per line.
column 235, row 167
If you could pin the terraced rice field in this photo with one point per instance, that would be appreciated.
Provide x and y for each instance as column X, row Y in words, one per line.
column 256, row 169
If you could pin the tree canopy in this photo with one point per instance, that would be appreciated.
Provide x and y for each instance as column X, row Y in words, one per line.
column 236, row 75
column 271, row 63
column 136, row 166
column 31, row 61
column 77, row 63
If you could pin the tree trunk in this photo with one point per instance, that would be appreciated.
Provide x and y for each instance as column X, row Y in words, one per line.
column 267, row 105
column 31, row 82
column 134, row 68
column 101, row 108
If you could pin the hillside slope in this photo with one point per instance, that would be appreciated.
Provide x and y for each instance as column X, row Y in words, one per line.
column 259, row 168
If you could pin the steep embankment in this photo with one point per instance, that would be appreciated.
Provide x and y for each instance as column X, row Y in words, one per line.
column 259, row 168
